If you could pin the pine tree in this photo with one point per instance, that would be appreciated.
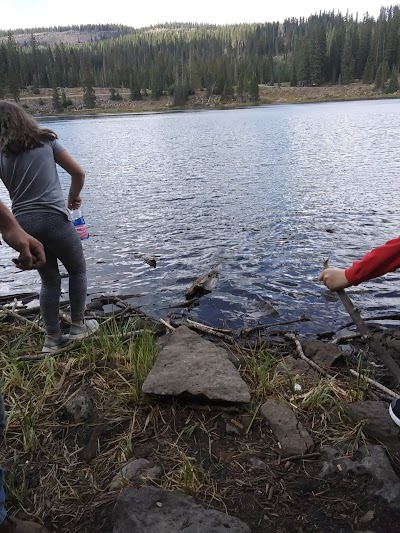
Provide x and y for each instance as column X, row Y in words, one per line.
column 393, row 85
column 56, row 99
column 13, row 68
column 135, row 89
column 293, row 76
column 382, row 75
column 89, row 95
column 348, row 62
column 254, row 90
column 240, row 89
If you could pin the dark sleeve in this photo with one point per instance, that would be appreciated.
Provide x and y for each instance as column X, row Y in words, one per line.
column 379, row 261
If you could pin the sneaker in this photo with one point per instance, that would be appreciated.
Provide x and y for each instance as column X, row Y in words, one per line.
column 52, row 344
column 394, row 411
column 89, row 327
column 13, row 525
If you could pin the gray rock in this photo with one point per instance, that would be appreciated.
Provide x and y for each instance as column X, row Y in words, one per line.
column 152, row 510
column 372, row 461
column 79, row 407
column 293, row 438
column 322, row 353
column 191, row 365
column 296, row 367
column 378, row 423
column 133, row 470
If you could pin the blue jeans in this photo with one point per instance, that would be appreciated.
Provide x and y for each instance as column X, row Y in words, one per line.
column 2, row 495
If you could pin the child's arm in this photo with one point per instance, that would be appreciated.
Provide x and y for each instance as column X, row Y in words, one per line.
column 379, row 261
column 31, row 250
column 77, row 174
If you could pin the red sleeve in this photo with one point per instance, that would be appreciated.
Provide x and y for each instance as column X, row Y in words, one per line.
column 385, row 258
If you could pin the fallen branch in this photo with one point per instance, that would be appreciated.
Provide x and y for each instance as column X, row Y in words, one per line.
column 165, row 323
column 247, row 331
column 376, row 384
column 21, row 319
column 379, row 350
column 345, row 338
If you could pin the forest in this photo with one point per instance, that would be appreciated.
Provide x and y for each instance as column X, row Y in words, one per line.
column 326, row 48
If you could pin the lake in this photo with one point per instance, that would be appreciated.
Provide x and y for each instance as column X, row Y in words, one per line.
column 265, row 193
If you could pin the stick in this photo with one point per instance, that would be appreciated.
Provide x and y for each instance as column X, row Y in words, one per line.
column 379, row 350
column 21, row 318
column 207, row 329
column 165, row 323
column 376, row 384
column 349, row 337
column 311, row 363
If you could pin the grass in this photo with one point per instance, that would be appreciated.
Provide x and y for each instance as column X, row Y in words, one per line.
column 48, row 476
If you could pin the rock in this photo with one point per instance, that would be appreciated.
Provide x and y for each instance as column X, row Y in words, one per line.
column 230, row 429
column 152, row 510
column 322, row 353
column 372, row 461
column 378, row 423
column 134, row 470
column 191, row 365
column 296, row 367
column 257, row 464
column 293, row 438
column 79, row 407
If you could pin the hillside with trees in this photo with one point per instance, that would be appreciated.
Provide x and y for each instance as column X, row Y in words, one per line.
column 328, row 48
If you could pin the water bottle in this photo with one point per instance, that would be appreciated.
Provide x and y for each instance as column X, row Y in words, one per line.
column 79, row 223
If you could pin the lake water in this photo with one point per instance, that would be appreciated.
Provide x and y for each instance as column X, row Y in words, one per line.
column 252, row 190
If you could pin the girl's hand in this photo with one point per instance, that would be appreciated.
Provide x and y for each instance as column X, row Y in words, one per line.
column 334, row 278
column 74, row 202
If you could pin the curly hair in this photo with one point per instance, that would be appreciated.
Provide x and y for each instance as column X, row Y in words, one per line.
column 19, row 131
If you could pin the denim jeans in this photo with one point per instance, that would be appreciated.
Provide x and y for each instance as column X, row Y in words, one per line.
column 2, row 495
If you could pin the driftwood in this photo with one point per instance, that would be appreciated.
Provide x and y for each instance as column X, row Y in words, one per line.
column 166, row 324
column 375, row 346
column 202, row 285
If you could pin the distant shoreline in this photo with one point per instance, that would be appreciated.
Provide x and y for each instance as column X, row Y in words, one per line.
column 41, row 105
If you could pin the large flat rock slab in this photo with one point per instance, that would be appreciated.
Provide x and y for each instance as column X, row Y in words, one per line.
column 152, row 510
column 190, row 365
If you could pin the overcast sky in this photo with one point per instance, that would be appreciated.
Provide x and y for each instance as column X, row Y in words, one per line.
column 138, row 13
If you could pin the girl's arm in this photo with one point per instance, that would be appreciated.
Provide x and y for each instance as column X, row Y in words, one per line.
column 77, row 174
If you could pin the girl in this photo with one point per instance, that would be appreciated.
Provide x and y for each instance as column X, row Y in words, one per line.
column 28, row 157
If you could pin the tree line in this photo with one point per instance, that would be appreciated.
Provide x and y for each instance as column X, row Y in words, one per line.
column 328, row 48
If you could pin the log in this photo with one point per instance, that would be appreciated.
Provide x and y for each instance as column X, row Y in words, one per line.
column 202, row 285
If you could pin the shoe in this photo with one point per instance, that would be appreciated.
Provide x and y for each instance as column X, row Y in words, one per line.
column 89, row 327
column 52, row 345
column 13, row 525
column 394, row 411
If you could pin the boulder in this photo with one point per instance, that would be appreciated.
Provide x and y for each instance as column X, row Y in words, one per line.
column 322, row 353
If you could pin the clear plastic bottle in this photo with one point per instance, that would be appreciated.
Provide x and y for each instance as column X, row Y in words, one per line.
column 79, row 223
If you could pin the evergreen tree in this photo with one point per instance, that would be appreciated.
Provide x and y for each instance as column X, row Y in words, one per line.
column 254, row 90
column 135, row 89
column 114, row 95
column 382, row 75
column 89, row 95
column 240, row 89
column 56, row 99
column 393, row 85
column 65, row 102
column 348, row 62
column 13, row 68
column 293, row 76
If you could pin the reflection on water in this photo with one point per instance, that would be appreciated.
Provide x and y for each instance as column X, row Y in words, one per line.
column 266, row 193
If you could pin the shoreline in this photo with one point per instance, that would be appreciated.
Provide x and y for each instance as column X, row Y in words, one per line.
column 41, row 106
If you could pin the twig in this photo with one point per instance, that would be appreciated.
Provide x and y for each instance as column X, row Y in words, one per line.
column 375, row 384
column 208, row 329
column 349, row 337
column 379, row 350
column 302, row 457
column 247, row 331
column 312, row 363
column 21, row 318
column 165, row 323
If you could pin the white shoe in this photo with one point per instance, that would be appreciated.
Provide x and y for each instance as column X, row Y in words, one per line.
column 88, row 327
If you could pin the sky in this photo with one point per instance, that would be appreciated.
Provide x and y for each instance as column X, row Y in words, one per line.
column 35, row 13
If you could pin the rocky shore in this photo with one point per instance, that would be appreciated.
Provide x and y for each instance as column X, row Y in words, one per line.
column 163, row 426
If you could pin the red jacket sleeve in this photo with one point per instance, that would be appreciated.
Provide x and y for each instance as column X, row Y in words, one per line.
column 379, row 261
